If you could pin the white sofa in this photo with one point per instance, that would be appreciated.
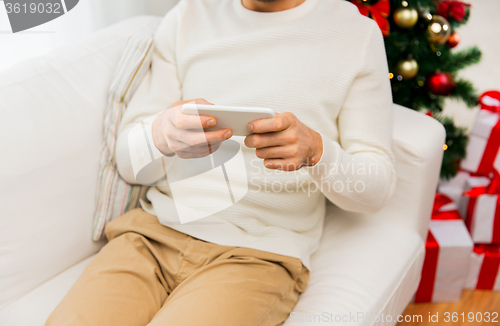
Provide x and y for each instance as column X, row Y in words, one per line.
column 51, row 130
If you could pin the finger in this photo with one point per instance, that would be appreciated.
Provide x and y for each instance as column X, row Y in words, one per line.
column 279, row 122
column 190, row 155
column 270, row 139
column 276, row 152
column 192, row 138
column 198, row 153
column 188, row 121
column 213, row 146
column 282, row 164
column 193, row 101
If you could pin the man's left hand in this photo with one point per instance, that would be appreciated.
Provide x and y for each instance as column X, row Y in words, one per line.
column 284, row 142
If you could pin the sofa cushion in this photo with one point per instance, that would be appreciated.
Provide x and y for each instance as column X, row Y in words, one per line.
column 363, row 265
column 51, row 130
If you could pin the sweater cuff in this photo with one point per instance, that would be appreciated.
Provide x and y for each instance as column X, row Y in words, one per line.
column 326, row 164
column 143, row 151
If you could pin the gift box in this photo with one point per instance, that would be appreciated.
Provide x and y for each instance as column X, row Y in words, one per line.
column 484, row 268
column 455, row 187
column 447, row 254
column 481, row 208
column 484, row 141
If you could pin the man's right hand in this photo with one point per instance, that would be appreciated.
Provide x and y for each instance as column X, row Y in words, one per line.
column 176, row 133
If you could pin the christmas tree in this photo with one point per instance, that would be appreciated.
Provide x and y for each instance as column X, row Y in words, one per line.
column 419, row 36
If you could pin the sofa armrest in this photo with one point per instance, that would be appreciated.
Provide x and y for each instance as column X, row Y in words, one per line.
column 418, row 147
column 51, row 130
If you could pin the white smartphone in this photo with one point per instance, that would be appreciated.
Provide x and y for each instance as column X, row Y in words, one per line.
column 235, row 118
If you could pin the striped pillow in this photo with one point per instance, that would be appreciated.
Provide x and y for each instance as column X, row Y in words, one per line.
column 114, row 196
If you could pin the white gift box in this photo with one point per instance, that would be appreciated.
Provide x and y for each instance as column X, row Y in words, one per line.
column 484, row 268
column 455, row 187
column 448, row 249
column 484, row 141
column 481, row 212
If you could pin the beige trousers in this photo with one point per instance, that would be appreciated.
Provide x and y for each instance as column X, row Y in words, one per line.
column 150, row 274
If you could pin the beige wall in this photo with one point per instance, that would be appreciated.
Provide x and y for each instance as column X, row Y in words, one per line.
column 483, row 30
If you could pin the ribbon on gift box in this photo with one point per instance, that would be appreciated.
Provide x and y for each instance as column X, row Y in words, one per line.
column 490, row 101
column 490, row 267
column 439, row 212
column 438, row 209
column 493, row 188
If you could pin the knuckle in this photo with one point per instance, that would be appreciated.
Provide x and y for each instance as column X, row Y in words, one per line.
column 169, row 134
column 278, row 124
column 292, row 137
column 260, row 153
column 174, row 147
column 256, row 141
column 178, row 122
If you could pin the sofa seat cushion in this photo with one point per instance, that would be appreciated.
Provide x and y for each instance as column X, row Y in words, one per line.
column 51, row 126
column 363, row 265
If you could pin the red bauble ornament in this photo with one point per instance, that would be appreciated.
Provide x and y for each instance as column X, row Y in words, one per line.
column 440, row 83
column 453, row 40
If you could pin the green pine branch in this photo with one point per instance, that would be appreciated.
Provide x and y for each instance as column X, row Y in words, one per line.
column 456, row 142
column 462, row 59
column 465, row 91
column 402, row 43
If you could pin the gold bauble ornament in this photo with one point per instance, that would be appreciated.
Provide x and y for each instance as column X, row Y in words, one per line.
column 438, row 30
column 405, row 17
column 407, row 68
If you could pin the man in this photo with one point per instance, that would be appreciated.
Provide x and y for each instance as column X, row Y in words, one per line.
column 319, row 64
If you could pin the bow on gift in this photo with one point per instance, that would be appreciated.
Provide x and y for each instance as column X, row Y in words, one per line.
column 492, row 189
column 437, row 210
column 378, row 12
column 454, row 9
column 490, row 101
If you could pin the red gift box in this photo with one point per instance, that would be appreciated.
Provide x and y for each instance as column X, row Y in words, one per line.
column 447, row 254
column 482, row 209
column 484, row 141
column 484, row 268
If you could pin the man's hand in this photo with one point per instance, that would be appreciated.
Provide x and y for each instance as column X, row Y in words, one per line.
column 177, row 133
column 284, row 142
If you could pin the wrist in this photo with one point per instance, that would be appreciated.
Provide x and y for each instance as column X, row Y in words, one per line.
column 159, row 140
column 317, row 152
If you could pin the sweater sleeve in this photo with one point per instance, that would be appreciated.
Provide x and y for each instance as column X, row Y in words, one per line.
column 357, row 173
column 137, row 158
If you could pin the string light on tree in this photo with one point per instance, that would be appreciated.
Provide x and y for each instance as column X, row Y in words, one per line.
column 419, row 37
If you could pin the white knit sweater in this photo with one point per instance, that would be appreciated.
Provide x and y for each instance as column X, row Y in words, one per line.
column 324, row 62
